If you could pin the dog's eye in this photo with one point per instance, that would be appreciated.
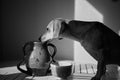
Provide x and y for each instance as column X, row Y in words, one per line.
column 48, row 29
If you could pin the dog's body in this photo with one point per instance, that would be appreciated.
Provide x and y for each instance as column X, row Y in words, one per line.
column 98, row 40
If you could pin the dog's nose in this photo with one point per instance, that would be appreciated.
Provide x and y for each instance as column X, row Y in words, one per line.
column 40, row 38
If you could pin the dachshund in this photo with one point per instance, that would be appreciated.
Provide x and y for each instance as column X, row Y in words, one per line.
column 102, row 43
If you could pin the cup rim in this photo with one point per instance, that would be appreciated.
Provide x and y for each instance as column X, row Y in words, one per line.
column 62, row 63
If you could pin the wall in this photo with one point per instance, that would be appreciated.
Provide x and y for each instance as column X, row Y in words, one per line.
column 110, row 11
column 26, row 20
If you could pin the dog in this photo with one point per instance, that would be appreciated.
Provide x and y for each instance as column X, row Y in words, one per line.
column 102, row 43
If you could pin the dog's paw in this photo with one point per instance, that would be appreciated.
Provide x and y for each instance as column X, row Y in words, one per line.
column 95, row 78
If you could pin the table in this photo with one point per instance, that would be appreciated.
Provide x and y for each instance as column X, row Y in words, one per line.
column 80, row 72
column 9, row 71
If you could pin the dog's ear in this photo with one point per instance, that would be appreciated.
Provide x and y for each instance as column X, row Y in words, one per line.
column 63, row 27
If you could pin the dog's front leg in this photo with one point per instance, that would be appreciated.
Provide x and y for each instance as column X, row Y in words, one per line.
column 101, row 69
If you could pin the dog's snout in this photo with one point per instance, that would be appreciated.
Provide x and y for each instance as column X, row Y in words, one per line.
column 42, row 38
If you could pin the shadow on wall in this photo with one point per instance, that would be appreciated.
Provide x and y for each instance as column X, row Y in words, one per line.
column 64, row 49
column 110, row 11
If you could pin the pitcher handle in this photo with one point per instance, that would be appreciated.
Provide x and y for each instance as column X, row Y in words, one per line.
column 26, row 54
column 54, row 52
column 28, row 72
column 31, row 44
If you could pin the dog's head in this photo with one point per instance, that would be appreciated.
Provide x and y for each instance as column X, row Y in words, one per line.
column 53, row 30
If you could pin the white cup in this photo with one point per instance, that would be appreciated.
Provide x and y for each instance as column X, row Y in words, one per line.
column 62, row 69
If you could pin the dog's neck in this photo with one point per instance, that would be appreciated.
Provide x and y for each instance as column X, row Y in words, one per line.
column 68, row 35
